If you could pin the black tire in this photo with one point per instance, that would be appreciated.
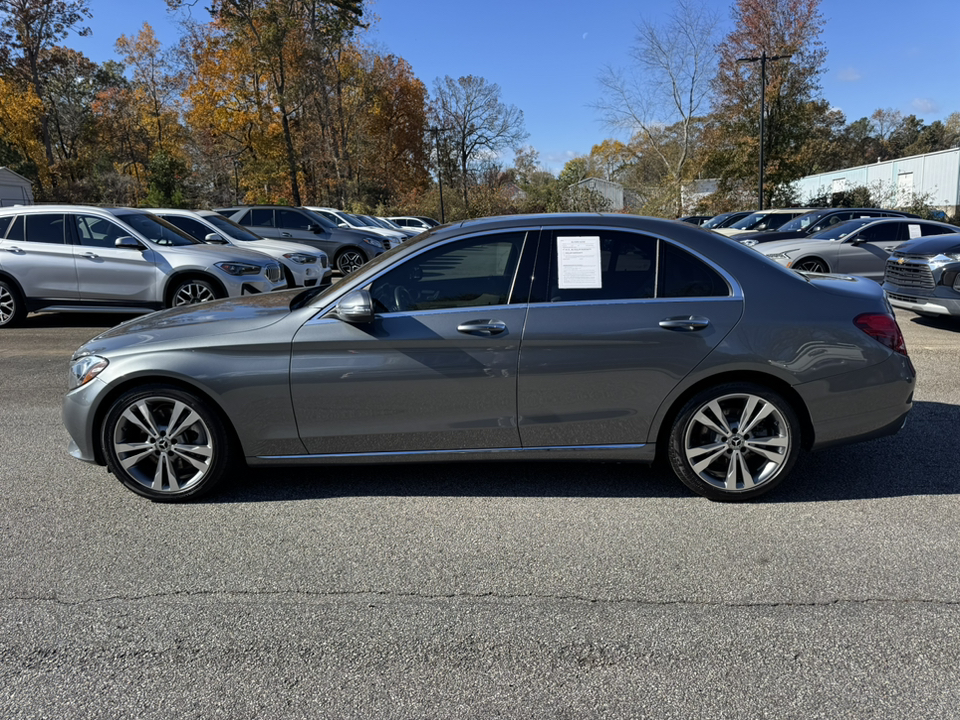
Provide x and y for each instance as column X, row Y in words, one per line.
column 193, row 291
column 714, row 457
column 159, row 463
column 811, row 265
column 13, row 309
column 349, row 259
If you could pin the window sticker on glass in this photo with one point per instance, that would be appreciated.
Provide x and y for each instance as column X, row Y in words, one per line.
column 914, row 230
column 578, row 261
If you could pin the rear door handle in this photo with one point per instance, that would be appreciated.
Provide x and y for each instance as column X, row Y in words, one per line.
column 687, row 324
column 482, row 327
column 285, row 234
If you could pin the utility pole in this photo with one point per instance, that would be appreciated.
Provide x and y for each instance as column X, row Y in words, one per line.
column 763, row 110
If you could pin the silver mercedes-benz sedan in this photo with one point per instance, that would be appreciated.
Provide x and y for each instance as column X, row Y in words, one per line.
column 601, row 337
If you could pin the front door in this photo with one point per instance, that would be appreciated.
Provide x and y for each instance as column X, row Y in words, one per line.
column 436, row 370
column 112, row 274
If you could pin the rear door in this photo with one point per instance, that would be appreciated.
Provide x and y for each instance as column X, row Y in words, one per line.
column 617, row 318
column 38, row 253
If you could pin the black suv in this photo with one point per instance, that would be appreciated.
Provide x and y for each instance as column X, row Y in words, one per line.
column 817, row 221
column 349, row 248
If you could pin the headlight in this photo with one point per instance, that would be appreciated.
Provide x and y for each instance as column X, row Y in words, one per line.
column 375, row 243
column 748, row 242
column 300, row 258
column 235, row 268
column 85, row 369
column 781, row 256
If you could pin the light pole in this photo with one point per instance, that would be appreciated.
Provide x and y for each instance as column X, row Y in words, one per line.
column 436, row 139
column 763, row 95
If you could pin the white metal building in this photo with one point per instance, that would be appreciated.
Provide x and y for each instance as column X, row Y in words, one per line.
column 15, row 189
column 934, row 176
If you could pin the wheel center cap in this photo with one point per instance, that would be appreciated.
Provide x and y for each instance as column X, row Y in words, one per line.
column 735, row 442
column 163, row 444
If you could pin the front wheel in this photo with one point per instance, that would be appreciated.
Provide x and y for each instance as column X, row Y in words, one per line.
column 349, row 260
column 811, row 265
column 193, row 291
column 165, row 443
column 734, row 442
column 12, row 308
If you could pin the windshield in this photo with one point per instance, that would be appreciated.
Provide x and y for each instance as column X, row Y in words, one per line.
column 156, row 230
column 235, row 231
column 841, row 230
column 802, row 222
column 715, row 221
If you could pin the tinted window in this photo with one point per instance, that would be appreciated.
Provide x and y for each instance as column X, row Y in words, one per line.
column 229, row 227
column 15, row 232
column 627, row 266
column 937, row 230
column 260, row 217
column 45, row 228
column 888, row 231
column 190, row 226
column 293, row 220
column 683, row 275
column 94, row 231
column 5, row 221
column 468, row 273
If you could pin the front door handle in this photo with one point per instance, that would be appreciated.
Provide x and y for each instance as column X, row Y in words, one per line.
column 687, row 324
column 91, row 256
column 285, row 234
column 482, row 327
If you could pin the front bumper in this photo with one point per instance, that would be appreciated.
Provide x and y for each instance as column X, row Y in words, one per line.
column 908, row 299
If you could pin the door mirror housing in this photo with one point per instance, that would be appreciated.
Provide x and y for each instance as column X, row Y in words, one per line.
column 214, row 239
column 356, row 307
column 129, row 243
column 315, row 228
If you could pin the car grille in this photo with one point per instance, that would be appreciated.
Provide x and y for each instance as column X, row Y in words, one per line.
column 273, row 273
column 914, row 272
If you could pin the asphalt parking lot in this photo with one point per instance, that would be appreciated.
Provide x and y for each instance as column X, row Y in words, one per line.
column 484, row 590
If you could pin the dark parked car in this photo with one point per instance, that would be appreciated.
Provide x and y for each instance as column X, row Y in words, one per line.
column 817, row 221
column 923, row 275
column 349, row 249
column 695, row 219
column 725, row 219
column 600, row 337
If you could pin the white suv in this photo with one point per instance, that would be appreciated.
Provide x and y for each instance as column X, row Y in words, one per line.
column 74, row 258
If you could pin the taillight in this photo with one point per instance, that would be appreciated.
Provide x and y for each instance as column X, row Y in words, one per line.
column 884, row 329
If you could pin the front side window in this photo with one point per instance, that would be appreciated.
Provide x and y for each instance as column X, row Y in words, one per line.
column 596, row 264
column 5, row 222
column 45, row 228
column 293, row 220
column 467, row 273
column 95, row 231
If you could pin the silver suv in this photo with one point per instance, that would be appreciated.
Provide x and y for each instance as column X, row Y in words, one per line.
column 74, row 258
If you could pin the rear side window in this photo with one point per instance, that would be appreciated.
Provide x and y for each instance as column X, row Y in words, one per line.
column 15, row 231
column 594, row 264
column 5, row 224
column 937, row 230
column 259, row 217
column 883, row 232
column 45, row 228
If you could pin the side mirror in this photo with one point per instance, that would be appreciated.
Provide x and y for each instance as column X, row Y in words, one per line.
column 128, row 243
column 214, row 239
column 315, row 228
column 355, row 307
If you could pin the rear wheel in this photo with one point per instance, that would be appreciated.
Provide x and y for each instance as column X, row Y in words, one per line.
column 12, row 307
column 165, row 443
column 734, row 442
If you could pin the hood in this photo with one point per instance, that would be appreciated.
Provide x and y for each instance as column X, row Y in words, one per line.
column 218, row 253
column 934, row 245
column 280, row 246
column 219, row 317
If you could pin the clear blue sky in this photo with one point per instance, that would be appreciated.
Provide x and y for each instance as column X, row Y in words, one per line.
column 546, row 55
